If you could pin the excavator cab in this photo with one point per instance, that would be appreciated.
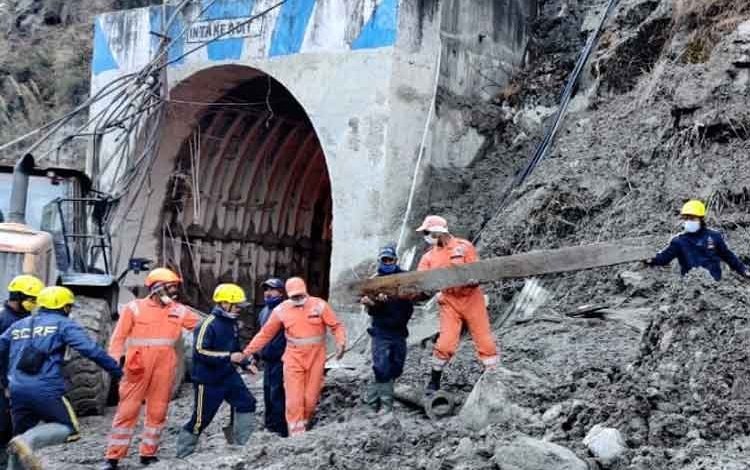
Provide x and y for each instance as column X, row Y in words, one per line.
column 54, row 226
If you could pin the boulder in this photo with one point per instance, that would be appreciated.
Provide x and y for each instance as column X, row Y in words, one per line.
column 606, row 444
column 526, row 453
column 494, row 399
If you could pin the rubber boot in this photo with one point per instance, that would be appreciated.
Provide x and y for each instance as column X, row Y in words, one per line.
column 110, row 464
column 386, row 397
column 372, row 398
column 243, row 427
column 147, row 460
column 186, row 443
column 434, row 384
column 44, row 435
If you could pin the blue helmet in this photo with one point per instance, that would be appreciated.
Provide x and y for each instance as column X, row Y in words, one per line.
column 274, row 283
column 388, row 251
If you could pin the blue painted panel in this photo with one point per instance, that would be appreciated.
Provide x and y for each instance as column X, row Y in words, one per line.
column 380, row 31
column 231, row 48
column 290, row 27
column 177, row 47
column 103, row 59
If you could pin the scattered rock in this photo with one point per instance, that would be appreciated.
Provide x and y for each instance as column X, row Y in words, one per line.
column 526, row 453
column 493, row 399
column 606, row 444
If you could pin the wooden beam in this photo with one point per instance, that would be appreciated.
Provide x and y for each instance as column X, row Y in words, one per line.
column 533, row 263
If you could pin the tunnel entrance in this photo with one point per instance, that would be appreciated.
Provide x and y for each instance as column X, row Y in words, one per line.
column 250, row 195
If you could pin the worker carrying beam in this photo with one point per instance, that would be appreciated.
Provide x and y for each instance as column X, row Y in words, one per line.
column 22, row 293
column 698, row 246
column 31, row 360
column 458, row 305
column 149, row 328
column 390, row 316
column 304, row 319
column 216, row 354
column 273, row 369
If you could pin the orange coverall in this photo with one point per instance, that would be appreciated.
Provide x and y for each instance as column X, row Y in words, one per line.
column 459, row 305
column 149, row 331
column 305, row 355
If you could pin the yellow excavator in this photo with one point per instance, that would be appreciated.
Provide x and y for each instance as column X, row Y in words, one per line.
column 55, row 226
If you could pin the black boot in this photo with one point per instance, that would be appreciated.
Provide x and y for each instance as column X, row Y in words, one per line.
column 434, row 384
column 148, row 460
column 110, row 464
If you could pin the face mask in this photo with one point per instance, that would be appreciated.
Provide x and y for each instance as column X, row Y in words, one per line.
column 28, row 305
column 273, row 301
column 430, row 240
column 691, row 226
column 300, row 302
column 387, row 268
column 232, row 315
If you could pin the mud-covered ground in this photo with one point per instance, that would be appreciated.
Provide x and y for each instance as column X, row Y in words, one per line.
column 661, row 116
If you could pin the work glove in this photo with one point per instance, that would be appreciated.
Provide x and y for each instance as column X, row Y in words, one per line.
column 116, row 374
column 248, row 365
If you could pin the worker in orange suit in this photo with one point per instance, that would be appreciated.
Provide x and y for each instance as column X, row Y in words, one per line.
column 146, row 334
column 304, row 319
column 458, row 305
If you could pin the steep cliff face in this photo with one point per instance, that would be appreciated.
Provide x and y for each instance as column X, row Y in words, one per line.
column 45, row 50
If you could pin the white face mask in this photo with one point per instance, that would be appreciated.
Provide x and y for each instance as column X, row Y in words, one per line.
column 300, row 302
column 691, row 226
column 430, row 240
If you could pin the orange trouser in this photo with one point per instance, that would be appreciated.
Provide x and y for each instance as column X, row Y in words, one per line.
column 303, row 381
column 149, row 375
column 454, row 312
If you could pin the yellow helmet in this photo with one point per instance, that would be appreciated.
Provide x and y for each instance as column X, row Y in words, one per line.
column 26, row 284
column 695, row 208
column 55, row 297
column 231, row 293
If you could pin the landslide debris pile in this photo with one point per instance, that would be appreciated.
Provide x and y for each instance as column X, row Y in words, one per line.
column 663, row 116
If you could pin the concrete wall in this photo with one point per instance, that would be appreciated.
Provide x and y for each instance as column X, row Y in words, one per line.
column 365, row 71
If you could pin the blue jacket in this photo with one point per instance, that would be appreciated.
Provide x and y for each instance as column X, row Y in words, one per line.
column 704, row 248
column 389, row 318
column 8, row 317
column 215, row 339
column 275, row 349
column 53, row 332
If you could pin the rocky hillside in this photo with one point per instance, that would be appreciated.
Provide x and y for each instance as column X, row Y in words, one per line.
column 659, row 376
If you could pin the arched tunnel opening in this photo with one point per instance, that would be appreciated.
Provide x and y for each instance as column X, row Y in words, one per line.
column 250, row 195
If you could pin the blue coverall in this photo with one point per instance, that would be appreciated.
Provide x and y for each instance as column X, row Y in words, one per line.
column 705, row 249
column 389, row 332
column 8, row 316
column 273, row 377
column 40, row 397
column 215, row 378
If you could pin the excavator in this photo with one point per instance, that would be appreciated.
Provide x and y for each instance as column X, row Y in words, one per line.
column 55, row 226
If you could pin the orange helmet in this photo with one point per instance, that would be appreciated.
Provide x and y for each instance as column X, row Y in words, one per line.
column 295, row 286
column 163, row 276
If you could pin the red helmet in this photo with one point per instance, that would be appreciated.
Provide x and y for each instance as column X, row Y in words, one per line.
column 163, row 276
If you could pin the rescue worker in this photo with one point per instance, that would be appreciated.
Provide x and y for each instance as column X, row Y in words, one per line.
column 22, row 293
column 304, row 319
column 149, row 328
column 698, row 246
column 273, row 368
column 216, row 354
column 458, row 305
column 32, row 352
column 390, row 316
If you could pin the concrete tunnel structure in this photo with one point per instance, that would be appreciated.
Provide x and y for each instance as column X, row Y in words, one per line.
column 309, row 123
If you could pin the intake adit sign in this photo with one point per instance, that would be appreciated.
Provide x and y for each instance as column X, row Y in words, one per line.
column 202, row 31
